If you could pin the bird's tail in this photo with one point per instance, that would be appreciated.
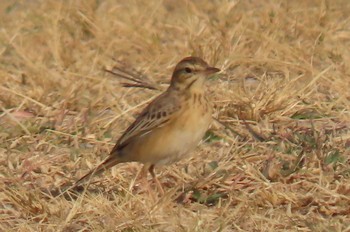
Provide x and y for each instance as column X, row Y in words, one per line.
column 108, row 163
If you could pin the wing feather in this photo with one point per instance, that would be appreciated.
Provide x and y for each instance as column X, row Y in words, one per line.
column 155, row 115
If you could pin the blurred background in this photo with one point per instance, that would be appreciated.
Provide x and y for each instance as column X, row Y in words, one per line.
column 276, row 159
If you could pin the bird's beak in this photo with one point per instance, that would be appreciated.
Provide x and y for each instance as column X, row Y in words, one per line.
column 211, row 70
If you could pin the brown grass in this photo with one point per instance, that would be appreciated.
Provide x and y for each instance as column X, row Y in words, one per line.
column 280, row 164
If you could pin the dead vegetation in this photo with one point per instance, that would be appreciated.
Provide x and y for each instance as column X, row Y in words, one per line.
column 278, row 161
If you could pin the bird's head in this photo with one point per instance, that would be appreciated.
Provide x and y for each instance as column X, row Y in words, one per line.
column 190, row 74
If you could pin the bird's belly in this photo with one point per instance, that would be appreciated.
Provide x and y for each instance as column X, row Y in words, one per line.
column 172, row 142
column 180, row 143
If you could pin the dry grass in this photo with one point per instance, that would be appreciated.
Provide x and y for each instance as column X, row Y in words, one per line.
column 281, row 164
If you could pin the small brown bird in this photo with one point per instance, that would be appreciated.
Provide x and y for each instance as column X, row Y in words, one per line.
column 170, row 126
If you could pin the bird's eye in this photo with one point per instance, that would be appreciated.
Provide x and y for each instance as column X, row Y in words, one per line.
column 188, row 70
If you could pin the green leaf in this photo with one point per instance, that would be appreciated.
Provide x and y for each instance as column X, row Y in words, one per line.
column 211, row 137
column 334, row 157
column 213, row 164
column 214, row 198
column 196, row 195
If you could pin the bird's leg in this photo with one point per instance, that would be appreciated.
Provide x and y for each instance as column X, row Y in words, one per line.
column 143, row 177
column 159, row 185
column 145, row 183
column 138, row 176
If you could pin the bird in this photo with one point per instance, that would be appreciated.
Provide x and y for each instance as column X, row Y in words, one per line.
column 169, row 127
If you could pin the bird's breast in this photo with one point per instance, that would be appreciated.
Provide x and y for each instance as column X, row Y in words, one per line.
column 173, row 141
column 187, row 130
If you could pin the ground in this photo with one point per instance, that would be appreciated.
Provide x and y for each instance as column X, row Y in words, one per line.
column 276, row 159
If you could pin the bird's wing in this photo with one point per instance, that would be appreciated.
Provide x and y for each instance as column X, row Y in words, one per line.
column 157, row 114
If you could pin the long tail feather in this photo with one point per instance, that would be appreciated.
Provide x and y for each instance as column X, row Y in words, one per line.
column 108, row 163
